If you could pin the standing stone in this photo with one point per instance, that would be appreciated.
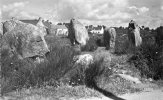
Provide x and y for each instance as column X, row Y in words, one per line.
column 10, row 25
column 134, row 34
column 109, row 38
column 1, row 29
column 78, row 33
column 41, row 26
column 25, row 40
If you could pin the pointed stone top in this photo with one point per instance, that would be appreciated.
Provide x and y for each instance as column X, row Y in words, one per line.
column 40, row 19
column 40, row 22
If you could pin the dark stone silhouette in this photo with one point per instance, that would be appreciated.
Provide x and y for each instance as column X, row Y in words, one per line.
column 134, row 34
column 159, row 35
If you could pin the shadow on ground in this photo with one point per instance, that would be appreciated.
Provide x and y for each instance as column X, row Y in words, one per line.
column 92, row 84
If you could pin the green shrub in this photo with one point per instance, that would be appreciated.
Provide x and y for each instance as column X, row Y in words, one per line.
column 99, row 39
column 88, row 75
column 147, row 58
column 158, row 68
column 16, row 73
column 90, row 46
column 122, row 46
column 121, row 43
column 59, row 60
column 141, row 63
column 20, row 73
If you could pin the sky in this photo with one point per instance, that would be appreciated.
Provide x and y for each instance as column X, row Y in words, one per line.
column 111, row 13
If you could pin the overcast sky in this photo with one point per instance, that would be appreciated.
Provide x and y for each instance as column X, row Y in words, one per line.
column 102, row 12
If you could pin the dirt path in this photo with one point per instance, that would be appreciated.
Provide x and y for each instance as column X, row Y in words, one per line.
column 151, row 95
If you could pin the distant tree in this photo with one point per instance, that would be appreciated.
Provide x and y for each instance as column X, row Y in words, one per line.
column 86, row 27
column 99, row 26
column 142, row 27
column 103, row 26
column 90, row 26
column 153, row 30
column 147, row 29
column 120, row 27
column 59, row 24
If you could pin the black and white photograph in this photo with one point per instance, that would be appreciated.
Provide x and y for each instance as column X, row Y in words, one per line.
column 81, row 49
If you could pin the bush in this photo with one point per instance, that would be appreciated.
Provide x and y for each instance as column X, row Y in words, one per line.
column 158, row 68
column 59, row 60
column 122, row 46
column 147, row 58
column 90, row 46
column 25, row 73
column 141, row 63
column 99, row 39
column 54, row 41
column 83, row 75
column 16, row 73
column 121, row 43
column 94, row 71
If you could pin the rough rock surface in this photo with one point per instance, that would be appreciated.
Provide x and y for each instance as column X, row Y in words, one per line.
column 1, row 29
column 78, row 33
column 109, row 38
column 25, row 40
column 130, row 78
column 41, row 26
column 85, row 59
column 9, row 25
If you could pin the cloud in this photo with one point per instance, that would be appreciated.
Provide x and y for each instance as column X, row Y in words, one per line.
column 25, row 15
column 143, row 9
column 0, row 14
column 161, row 7
column 137, row 10
column 16, row 9
column 145, row 16
column 13, row 6
column 105, row 12
column 97, row 12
